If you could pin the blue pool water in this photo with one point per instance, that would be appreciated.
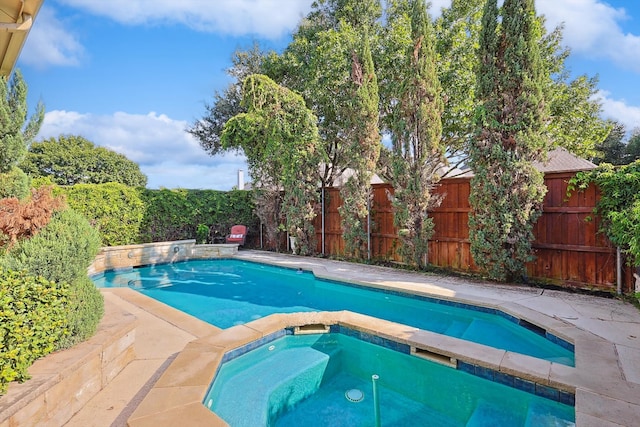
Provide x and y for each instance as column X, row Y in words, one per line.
column 305, row 381
column 231, row 292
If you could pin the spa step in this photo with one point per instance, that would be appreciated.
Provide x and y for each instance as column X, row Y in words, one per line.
column 539, row 414
column 488, row 415
column 457, row 328
column 279, row 381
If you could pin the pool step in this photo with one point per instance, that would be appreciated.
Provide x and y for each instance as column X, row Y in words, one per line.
column 276, row 383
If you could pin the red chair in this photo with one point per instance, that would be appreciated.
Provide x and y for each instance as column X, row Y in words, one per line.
column 238, row 234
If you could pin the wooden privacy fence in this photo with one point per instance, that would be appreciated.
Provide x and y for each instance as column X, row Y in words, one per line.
column 569, row 249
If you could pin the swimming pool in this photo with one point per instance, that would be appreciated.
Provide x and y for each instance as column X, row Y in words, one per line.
column 327, row 379
column 231, row 292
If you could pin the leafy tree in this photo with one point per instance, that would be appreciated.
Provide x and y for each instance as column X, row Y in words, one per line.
column 612, row 149
column 412, row 106
column 226, row 104
column 507, row 190
column 457, row 33
column 318, row 65
column 575, row 121
column 15, row 135
column 574, row 110
column 71, row 160
column 632, row 150
column 279, row 136
column 619, row 204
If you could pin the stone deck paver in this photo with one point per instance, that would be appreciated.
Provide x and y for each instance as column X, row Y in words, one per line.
column 162, row 334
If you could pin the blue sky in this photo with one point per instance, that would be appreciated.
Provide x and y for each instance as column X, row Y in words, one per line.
column 131, row 75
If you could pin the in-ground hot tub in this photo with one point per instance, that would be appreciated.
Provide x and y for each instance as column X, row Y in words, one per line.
column 327, row 379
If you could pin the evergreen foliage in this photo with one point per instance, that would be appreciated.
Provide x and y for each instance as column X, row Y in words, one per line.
column 15, row 135
column 33, row 320
column 506, row 190
column 413, row 108
column 71, row 160
column 364, row 149
column 318, row 65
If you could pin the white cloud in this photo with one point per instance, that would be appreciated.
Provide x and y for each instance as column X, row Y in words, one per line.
column 50, row 43
column 168, row 155
column 267, row 18
column 437, row 6
column 619, row 110
column 591, row 29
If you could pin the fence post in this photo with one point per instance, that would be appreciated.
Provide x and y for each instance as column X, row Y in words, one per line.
column 369, row 227
column 322, row 219
column 618, row 270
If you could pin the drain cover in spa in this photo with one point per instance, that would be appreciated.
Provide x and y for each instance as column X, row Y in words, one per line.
column 354, row 395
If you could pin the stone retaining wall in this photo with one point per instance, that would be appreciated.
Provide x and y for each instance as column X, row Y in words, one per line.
column 116, row 257
column 63, row 382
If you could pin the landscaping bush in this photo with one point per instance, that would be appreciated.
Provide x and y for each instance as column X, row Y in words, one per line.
column 85, row 309
column 114, row 209
column 61, row 252
column 202, row 233
column 33, row 319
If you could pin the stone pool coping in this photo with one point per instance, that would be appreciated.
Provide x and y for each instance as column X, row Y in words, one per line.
column 603, row 396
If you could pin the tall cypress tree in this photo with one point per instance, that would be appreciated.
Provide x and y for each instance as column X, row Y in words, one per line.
column 413, row 108
column 16, row 133
column 507, row 191
column 364, row 149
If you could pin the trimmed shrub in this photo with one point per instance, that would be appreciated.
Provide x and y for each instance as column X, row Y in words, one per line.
column 61, row 252
column 114, row 209
column 33, row 319
column 14, row 183
column 86, row 308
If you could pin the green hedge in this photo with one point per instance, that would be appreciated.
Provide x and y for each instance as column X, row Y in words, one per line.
column 61, row 252
column 176, row 214
column 33, row 320
column 125, row 215
column 114, row 209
